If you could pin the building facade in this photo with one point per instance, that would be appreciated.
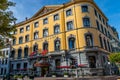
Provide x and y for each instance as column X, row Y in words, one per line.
column 58, row 37
column 4, row 62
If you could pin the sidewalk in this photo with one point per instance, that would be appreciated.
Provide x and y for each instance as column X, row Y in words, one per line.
column 85, row 78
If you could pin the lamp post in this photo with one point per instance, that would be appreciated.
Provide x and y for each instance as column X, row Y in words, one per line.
column 109, row 68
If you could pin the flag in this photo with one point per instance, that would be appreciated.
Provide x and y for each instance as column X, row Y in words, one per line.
column 44, row 52
column 32, row 53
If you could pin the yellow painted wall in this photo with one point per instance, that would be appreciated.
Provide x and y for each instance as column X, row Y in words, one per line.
column 78, row 31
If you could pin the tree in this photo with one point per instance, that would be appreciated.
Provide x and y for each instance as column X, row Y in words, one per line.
column 6, row 21
column 114, row 57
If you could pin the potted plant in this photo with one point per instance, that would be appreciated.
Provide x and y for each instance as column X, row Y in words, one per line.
column 53, row 74
column 20, row 77
column 15, row 77
column 66, row 74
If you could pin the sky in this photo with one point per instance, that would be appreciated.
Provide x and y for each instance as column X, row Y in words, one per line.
column 27, row 8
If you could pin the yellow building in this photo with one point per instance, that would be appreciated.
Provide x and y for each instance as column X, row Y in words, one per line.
column 76, row 30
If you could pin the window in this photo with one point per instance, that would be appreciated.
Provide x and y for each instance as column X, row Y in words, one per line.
column 100, row 17
column 21, row 30
column 70, row 25
column 45, row 32
column 2, row 61
column 108, row 45
column 26, row 52
column 71, row 43
column 26, row 38
column 69, row 12
column 86, row 22
column 15, row 32
column 56, row 17
column 105, row 31
column 84, row 8
column 45, row 46
column 95, row 12
column 7, row 52
column 25, row 65
column 1, row 71
column 20, row 40
column 27, row 27
column 18, row 65
column 19, row 53
column 57, row 45
column 102, row 30
column 3, row 53
column 36, row 24
column 56, row 29
column 13, row 54
column 105, row 44
column 6, row 61
column 89, row 40
column 101, row 41
column 103, row 21
column 98, row 25
column 35, row 47
column 35, row 35
column 14, row 41
column 92, row 61
column 45, row 21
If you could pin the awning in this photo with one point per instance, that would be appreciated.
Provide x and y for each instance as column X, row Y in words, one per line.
column 63, row 66
column 41, row 64
column 82, row 65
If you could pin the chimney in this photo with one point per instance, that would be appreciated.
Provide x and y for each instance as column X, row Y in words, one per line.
column 26, row 18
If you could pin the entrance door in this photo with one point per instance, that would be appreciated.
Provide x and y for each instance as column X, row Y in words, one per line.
column 92, row 61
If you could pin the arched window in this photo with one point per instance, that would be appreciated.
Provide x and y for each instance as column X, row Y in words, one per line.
column 36, row 35
column 35, row 47
column 45, row 32
column 56, row 29
column 45, row 46
column 25, row 52
column 14, row 41
column 57, row 45
column 101, row 41
column 89, row 40
column 19, row 53
column 71, row 43
column 20, row 40
column 13, row 54
column 70, row 25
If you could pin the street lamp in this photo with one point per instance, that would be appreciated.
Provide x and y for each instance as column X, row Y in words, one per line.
column 109, row 68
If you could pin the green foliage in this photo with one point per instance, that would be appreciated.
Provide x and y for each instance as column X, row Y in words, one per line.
column 6, row 21
column 65, row 73
column 114, row 57
column 18, row 76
